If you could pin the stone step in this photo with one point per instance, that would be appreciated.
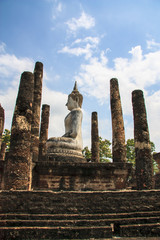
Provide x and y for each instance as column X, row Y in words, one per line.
column 27, row 216
column 98, row 222
column 49, row 202
column 38, row 233
column 140, row 230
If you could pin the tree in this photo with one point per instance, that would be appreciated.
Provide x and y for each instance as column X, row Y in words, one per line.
column 130, row 151
column 87, row 153
column 131, row 154
column 6, row 138
column 104, row 151
column 106, row 155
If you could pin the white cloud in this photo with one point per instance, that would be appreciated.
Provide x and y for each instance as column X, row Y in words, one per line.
column 59, row 7
column 8, row 100
column 10, row 64
column 93, row 77
column 93, row 40
column 58, row 111
column 11, row 68
column 136, row 53
column 153, row 115
column 2, row 47
column 139, row 71
column 152, row 45
column 78, row 51
column 85, row 21
column 56, row 9
column 85, row 47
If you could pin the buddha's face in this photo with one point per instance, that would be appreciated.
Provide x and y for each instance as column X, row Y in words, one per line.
column 71, row 104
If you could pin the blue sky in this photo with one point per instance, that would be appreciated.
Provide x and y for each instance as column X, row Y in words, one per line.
column 88, row 41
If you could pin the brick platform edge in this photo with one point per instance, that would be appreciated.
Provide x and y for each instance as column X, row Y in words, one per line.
column 79, row 215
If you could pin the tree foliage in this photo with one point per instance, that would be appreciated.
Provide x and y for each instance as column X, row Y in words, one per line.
column 131, row 154
column 104, row 151
column 87, row 153
column 6, row 138
column 106, row 155
column 130, row 151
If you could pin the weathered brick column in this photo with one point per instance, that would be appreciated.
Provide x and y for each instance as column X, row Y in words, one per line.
column 38, row 76
column 95, row 138
column 2, row 151
column 1, row 123
column 18, row 161
column 118, row 133
column 2, row 164
column 144, row 165
column 44, row 131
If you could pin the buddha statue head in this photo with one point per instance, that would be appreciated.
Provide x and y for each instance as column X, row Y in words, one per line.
column 74, row 99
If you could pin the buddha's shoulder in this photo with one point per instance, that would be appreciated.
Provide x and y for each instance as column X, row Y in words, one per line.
column 76, row 111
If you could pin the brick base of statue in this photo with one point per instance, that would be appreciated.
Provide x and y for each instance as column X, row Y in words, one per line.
column 89, row 176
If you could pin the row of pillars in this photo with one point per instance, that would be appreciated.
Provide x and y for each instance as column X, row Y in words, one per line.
column 26, row 147
column 26, row 144
column 144, row 164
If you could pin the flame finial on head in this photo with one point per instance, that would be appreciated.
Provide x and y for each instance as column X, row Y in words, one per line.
column 76, row 95
column 75, row 86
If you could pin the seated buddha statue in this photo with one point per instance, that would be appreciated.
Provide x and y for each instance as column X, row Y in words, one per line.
column 69, row 146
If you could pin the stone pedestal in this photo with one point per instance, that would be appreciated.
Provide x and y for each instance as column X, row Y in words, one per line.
column 65, row 154
column 72, row 176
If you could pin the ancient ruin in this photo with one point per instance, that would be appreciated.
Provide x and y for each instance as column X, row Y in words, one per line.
column 144, row 165
column 94, row 138
column 118, row 134
column 65, row 168
column 44, row 131
column 1, row 123
column 69, row 146
column 17, row 173
column 38, row 76
column 50, row 191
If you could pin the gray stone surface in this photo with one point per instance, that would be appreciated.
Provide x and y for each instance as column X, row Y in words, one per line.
column 70, row 144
